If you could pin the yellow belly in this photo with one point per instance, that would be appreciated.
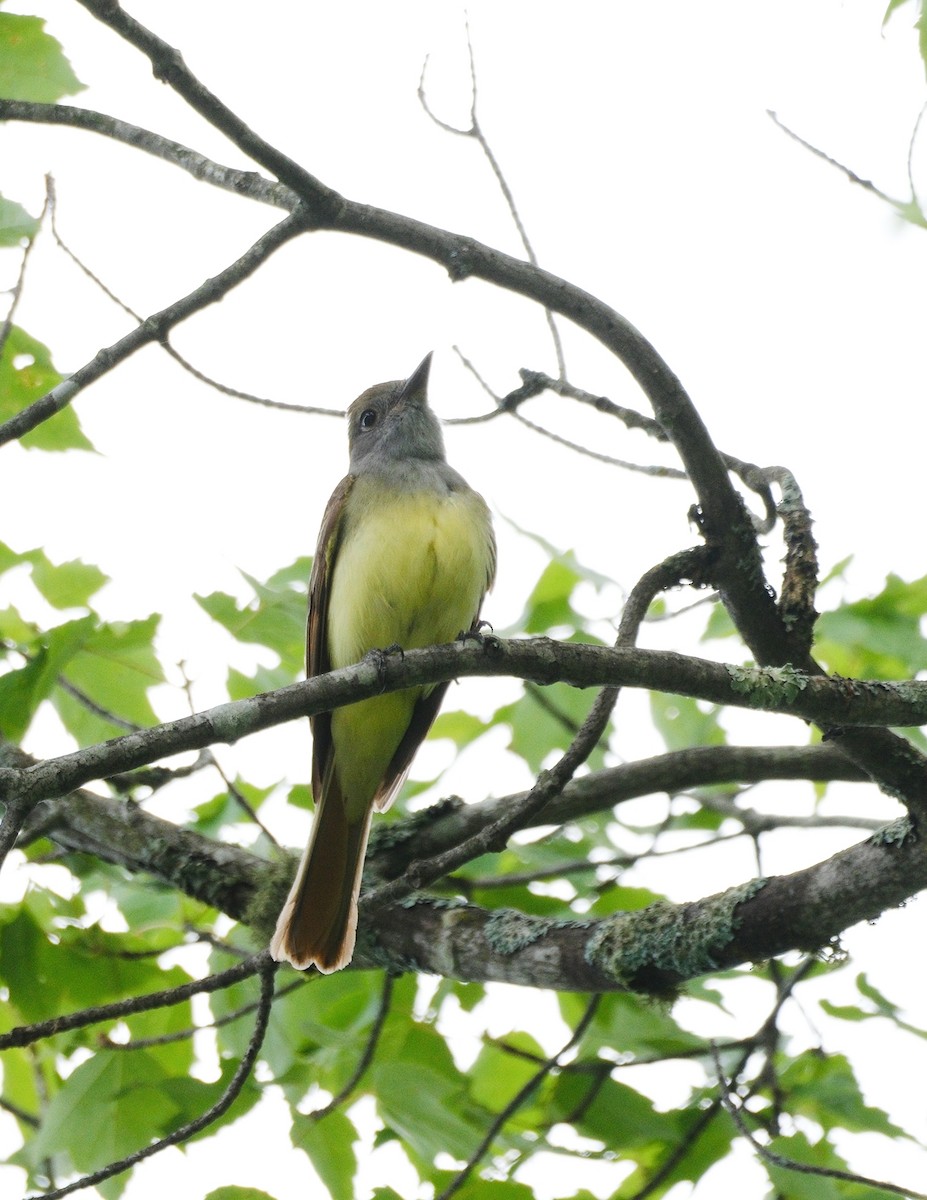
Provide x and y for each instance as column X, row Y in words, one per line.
column 410, row 571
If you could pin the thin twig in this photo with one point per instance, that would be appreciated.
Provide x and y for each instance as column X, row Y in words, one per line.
column 185, row 1035
column 17, row 289
column 900, row 206
column 524, row 1092
column 475, row 131
column 910, row 160
column 25, row 1035
column 789, row 1164
column 224, row 388
column 20, row 1114
column 386, row 997
column 267, row 971
column 153, row 329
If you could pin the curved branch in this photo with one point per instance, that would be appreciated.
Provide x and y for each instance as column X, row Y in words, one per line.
column 831, row 701
column 424, row 834
column 153, row 329
column 229, row 179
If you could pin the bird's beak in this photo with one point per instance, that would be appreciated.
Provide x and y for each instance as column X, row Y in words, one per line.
column 415, row 389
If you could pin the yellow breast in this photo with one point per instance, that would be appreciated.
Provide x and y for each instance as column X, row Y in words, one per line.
column 411, row 569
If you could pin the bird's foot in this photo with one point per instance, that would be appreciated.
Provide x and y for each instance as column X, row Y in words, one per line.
column 475, row 634
column 380, row 657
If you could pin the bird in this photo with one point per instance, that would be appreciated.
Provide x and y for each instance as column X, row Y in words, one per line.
column 406, row 554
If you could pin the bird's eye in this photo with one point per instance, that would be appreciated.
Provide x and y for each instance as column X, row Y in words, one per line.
column 368, row 418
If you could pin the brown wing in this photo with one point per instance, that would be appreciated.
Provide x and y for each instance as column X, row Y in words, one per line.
column 317, row 660
column 423, row 715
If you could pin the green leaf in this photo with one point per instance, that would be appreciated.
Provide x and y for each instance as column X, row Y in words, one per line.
column 32, row 65
column 549, row 606
column 497, row 1075
column 26, row 374
column 797, row 1185
column 23, row 690
column 301, row 796
column 685, row 722
column 461, row 727
column 622, row 899
column 265, row 679
column 20, row 1077
column 191, row 1097
column 688, row 1156
column 115, row 668
column 14, row 629
column 629, row 1024
column 80, row 967
column 329, row 1143
column 547, row 719
column 920, row 23
column 333, row 1022
column 68, row 584
column 233, row 1192
column 614, row 1114
column 878, row 637
column 223, row 810
column 885, row 1008
column 63, row 585
column 719, row 624
column 16, row 225
column 486, row 1189
column 429, row 1111
column 824, row 1088
column 275, row 617
column 109, row 1106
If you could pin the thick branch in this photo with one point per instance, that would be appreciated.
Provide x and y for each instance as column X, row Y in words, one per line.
column 654, row 949
column 839, row 701
column 657, row 948
column 832, row 701
column 224, row 876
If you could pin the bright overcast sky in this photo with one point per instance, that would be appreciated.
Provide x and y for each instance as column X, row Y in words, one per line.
column 636, row 139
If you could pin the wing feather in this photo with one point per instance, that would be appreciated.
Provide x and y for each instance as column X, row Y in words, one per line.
column 317, row 658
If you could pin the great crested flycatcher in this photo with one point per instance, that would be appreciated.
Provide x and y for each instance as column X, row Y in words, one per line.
column 405, row 556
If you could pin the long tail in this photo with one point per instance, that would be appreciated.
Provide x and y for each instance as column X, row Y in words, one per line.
column 318, row 924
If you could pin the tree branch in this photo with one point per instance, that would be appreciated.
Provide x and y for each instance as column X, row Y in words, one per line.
column 655, row 949
column 153, row 329
column 226, row 877
column 542, row 660
column 199, row 166
column 168, row 66
column 266, row 970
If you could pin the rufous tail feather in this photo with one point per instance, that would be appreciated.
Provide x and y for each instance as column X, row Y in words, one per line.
column 318, row 924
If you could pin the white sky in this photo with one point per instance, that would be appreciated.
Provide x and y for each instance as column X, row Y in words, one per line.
column 636, row 140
